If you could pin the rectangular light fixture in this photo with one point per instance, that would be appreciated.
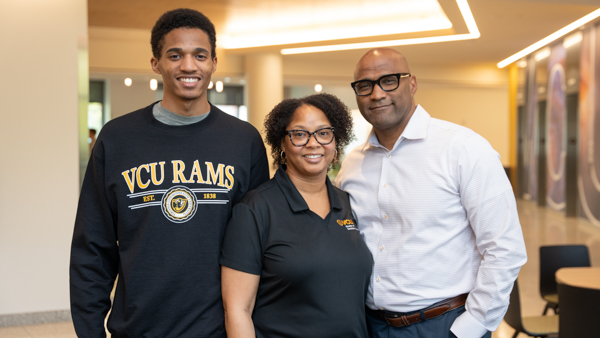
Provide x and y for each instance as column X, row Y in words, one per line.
column 542, row 54
column 572, row 39
column 287, row 22
column 552, row 37
column 462, row 5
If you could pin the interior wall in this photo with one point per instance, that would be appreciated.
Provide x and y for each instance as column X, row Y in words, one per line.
column 484, row 110
column 125, row 99
column 39, row 175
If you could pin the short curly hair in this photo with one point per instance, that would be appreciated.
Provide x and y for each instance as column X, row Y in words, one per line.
column 181, row 18
column 335, row 110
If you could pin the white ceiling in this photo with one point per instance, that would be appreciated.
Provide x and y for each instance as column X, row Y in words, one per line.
column 506, row 26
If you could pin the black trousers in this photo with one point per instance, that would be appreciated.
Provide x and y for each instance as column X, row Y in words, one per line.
column 438, row 327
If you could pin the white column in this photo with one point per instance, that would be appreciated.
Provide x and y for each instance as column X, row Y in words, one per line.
column 264, row 84
column 42, row 42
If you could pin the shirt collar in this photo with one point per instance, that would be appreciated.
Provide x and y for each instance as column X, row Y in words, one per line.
column 293, row 196
column 415, row 129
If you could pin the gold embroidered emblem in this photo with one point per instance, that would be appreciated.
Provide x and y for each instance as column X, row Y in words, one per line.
column 179, row 204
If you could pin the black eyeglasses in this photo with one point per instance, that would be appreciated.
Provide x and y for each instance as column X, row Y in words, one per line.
column 301, row 137
column 387, row 83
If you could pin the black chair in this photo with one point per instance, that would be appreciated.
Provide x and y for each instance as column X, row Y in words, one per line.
column 552, row 258
column 539, row 326
column 579, row 312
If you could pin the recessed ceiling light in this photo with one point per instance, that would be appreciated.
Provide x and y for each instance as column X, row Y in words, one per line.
column 153, row 84
column 462, row 5
column 542, row 54
column 572, row 39
column 128, row 82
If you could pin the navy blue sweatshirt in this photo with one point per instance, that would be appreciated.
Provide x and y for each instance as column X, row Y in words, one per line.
column 153, row 209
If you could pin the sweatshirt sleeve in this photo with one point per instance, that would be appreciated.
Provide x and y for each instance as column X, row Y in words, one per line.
column 94, row 251
column 259, row 172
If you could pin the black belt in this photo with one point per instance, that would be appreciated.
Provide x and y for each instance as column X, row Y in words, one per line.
column 429, row 312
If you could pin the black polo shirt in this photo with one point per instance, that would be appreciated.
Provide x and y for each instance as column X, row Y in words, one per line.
column 314, row 272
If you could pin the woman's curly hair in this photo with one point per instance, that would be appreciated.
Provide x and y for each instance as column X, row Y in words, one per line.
column 336, row 111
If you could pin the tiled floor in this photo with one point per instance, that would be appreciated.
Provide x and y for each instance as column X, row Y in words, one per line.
column 541, row 226
column 55, row 330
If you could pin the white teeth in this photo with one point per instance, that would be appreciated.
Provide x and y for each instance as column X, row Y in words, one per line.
column 188, row 80
column 313, row 156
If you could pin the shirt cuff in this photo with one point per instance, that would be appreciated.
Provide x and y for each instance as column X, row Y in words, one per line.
column 466, row 326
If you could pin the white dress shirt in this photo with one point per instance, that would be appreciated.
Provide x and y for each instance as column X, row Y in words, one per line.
column 439, row 216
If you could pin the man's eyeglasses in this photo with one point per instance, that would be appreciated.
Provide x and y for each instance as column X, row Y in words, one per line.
column 387, row 83
column 301, row 137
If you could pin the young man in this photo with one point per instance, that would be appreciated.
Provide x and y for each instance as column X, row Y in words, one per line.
column 157, row 194
column 435, row 209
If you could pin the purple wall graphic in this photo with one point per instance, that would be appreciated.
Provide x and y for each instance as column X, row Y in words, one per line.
column 588, row 180
column 530, row 144
column 556, row 124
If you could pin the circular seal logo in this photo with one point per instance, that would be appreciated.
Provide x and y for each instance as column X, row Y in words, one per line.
column 179, row 204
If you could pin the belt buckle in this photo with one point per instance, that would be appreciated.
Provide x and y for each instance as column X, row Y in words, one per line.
column 403, row 318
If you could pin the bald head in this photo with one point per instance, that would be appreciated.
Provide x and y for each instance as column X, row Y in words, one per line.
column 389, row 109
column 378, row 57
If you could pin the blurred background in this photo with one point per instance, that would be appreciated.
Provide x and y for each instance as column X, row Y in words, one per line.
column 69, row 66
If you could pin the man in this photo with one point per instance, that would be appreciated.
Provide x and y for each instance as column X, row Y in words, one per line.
column 436, row 210
column 157, row 194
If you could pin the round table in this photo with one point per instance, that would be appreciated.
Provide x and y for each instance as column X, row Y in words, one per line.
column 583, row 277
column 579, row 296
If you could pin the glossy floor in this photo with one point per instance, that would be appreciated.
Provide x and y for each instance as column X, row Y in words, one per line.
column 541, row 226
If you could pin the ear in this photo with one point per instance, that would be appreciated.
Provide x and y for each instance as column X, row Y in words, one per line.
column 413, row 85
column 154, row 64
column 214, row 65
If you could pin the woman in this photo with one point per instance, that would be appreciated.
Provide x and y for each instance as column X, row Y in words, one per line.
column 293, row 261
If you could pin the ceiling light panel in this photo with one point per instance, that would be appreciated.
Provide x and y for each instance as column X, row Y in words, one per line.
column 572, row 39
column 276, row 22
column 464, row 10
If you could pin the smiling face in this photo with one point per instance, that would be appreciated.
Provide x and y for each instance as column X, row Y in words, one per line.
column 186, row 66
column 388, row 112
column 312, row 159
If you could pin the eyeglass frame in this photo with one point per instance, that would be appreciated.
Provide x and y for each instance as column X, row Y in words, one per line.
column 377, row 82
column 289, row 133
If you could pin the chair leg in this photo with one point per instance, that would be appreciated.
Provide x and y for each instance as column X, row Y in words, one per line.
column 516, row 334
column 546, row 309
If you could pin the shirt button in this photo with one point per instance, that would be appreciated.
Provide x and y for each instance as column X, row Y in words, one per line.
column 385, row 185
column 389, row 156
column 385, row 216
column 378, row 279
column 382, row 247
